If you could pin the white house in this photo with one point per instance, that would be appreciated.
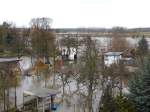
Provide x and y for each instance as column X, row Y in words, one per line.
column 112, row 57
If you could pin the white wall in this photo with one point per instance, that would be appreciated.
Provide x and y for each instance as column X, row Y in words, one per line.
column 108, row 60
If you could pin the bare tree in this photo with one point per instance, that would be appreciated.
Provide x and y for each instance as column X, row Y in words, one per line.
column 119, row 42
column 41, row 23
column 42, row 37
column 89, row 70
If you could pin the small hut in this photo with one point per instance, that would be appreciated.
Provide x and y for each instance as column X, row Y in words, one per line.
column 39, row 100
column 9, row 67
column 112, row 57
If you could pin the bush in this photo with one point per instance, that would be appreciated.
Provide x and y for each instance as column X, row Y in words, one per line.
column 123, row 104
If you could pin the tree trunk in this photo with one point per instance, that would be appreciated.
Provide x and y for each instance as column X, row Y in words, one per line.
column 90, row 95
column 7, row 105
column 54, row 71
column 15, row 98
column 121, row 86
column 45, row 83
column 4, row 100
column 32, row 60
column 63, row 84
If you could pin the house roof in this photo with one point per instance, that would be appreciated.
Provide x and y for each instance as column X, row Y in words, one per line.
column 113, row 53
column 41, row 92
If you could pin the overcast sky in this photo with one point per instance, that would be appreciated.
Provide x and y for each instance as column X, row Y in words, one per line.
column 78, row 13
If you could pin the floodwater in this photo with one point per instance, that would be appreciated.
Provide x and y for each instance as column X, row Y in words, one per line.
column 29, row 82
column 133, row 42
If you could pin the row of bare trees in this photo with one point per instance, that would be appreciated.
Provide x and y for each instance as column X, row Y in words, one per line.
column 89, row 71
column 38, row 41
column 9, row 79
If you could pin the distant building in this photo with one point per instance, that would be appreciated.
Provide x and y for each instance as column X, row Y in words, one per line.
column 128, row 61
column 7, row 64
column 112, row 57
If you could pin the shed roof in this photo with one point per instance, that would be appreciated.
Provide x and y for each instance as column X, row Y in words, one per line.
column 113, row 53
column 41, row 92
column 8, row 60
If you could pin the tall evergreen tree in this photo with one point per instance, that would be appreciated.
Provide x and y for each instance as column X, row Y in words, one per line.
column 139, row 88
